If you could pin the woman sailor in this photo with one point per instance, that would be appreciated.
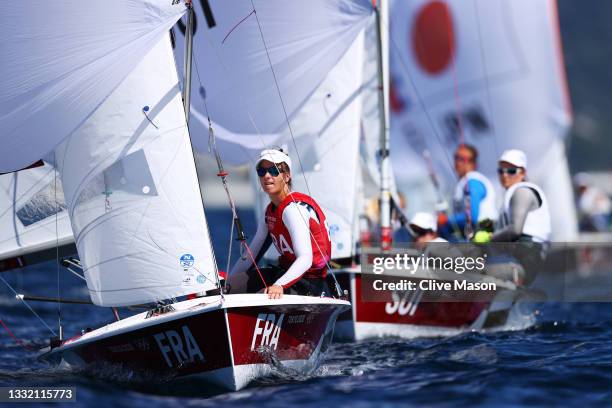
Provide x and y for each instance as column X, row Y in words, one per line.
column 524, row 215
column 524, row 218
column 296, row 225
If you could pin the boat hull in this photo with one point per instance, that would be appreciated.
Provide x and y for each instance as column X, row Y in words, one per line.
column 228, row 342
column 415, row 316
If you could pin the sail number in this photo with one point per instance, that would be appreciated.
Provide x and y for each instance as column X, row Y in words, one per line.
column 402, row 305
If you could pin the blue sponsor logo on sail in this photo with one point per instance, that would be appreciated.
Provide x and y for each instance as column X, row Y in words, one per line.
column 187, row 260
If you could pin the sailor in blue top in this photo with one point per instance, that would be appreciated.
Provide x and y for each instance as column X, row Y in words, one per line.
column 474, row 197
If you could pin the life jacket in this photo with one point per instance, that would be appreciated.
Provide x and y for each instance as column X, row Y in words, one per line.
column 537, row 224
column 319, row 235
column 487, row 208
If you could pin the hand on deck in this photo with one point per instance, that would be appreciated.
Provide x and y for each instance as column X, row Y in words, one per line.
column 274, row 291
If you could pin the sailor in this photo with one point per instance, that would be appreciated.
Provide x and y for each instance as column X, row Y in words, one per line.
column 524, row 220
column 474, row 198
column 424, row 228
column 524, row 214
column 296, row 225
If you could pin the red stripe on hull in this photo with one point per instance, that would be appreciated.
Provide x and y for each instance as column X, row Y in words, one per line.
column 437, row 314
column 291, row 333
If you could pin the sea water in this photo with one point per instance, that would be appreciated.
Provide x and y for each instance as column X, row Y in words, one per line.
column 562, row 358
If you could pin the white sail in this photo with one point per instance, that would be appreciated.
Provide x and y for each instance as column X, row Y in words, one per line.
column 61, row 59
column 306, row 43
column 491, row 74
column 132, row 193
column 33, row 214
column 304, row 40
column 327, row 131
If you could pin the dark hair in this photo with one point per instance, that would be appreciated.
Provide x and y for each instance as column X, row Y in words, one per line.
column 284, row 168
column 471, row 148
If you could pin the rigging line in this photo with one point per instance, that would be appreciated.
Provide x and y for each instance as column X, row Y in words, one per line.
column 232, row 204
column 290, row 132
column 14, row 207
column 223, row 174
column 17, row 340
column 254, row 263
column 225, row 186
column 486, row 77
column 27, row 305
column 245, row 244
column 421, row 101
column 57, row 260
column 455, row 79
column 229, row 252
column 236, row 26
column 280, row 96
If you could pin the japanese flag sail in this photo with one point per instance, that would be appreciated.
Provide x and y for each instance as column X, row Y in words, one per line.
column 488, row 73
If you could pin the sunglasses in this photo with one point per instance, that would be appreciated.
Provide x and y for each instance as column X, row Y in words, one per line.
column 273, row 170
column 463, row 159
column 418, row 232
column 510, row 170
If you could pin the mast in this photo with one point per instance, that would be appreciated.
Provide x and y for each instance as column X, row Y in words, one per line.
column 187, row 104
column 381, row 10
column 188, row 59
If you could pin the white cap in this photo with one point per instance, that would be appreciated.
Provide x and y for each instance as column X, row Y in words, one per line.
column 515, row 157
column 581, row 179
column 274, row 156
column 425, row 221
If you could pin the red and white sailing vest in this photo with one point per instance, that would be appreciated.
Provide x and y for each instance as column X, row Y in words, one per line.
column 319, row 236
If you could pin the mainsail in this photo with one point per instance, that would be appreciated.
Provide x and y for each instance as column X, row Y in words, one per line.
column 293, row 81
column 327, row 132
column 491, row 74
column 237, row 89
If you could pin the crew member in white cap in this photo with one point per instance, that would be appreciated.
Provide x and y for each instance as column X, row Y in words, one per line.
column 424, row 228
column 296, row 225
column 524, row 214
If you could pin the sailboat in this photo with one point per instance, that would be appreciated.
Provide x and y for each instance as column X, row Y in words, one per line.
column 109, row 111
column 476, row 75
column 322, row 103
column 464, row 74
